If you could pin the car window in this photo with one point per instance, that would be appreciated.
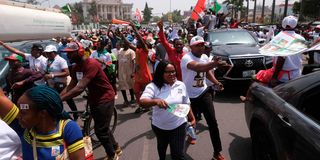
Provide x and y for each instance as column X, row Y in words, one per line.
column 308, row 103
column 231, row 37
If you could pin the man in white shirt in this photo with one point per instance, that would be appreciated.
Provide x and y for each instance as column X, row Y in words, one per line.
column 37, row 61
column 196, row 67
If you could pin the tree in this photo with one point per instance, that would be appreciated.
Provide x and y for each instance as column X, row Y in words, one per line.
column 93, row 12
column 296, row 7
column 77, row 11
column 236, row 5
column 147, row 13
column 176, row 16
column 156, row 18
column 32, row 2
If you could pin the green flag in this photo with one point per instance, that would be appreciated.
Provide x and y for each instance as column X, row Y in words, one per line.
column 216, row 7
column 66, row 9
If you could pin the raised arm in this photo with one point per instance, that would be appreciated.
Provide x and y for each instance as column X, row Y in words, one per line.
column 163, row 39
column 144, row 45
column 13, row 50
column 130, row 45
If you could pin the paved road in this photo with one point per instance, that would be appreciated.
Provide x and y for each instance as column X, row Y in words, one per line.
column 138, row 142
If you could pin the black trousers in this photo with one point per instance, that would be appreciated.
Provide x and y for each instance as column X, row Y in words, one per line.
column 175, row 138
column 204, row 104
column 102, row 115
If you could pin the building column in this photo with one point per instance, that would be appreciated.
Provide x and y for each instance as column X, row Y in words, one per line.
column 113, row 11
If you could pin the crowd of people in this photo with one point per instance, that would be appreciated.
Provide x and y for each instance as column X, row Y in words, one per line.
column 160, row 67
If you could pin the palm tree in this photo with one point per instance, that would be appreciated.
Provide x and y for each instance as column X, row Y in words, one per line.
column 236, row 4
column 262, row 12
column 272, row 12
column 254, row 11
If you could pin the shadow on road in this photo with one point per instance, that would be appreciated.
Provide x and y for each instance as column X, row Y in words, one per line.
column 149, row 135
column 240, row 148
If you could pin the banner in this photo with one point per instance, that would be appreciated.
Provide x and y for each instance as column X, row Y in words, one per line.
column 198, row 10
column 180, row 110
column 283, row 45
column 66, row 9
column 138, row 15
column 314, row 48
column 216, row 7
column 117, row 21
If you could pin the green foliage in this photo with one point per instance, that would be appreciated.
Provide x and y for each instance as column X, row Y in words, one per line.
column 156, row 18
column 176, row 16
column 147, row 13
column 296, row 8
column 93, row 8
column 32, row 2
column 78, row 11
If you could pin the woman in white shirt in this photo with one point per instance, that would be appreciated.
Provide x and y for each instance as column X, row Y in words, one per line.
column 164, row 91
column 57, row 72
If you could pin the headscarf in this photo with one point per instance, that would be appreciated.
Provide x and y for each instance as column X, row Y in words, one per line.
column 46, row 98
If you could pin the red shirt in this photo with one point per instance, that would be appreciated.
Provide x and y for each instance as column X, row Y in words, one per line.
column 173, row 55
column 142, row 74
column 100, row 89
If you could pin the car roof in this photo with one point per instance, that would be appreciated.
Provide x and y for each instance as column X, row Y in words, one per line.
column 297, row 85
column 228, row 30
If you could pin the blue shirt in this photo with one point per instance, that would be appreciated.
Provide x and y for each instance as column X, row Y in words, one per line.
column 67, row 135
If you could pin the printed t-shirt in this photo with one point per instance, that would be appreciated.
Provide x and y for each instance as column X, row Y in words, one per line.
column 100, row 89
column 194, row 81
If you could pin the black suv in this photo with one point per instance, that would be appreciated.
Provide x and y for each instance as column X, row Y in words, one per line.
column 240, row 49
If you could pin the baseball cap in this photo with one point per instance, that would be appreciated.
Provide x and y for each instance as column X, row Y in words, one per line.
column 318, row 26
column 37, row 46
column 71, row 47
column 208, row 44
column 51, row 48
column 290, row 21
column 14, row 57
column 150, row 40
column 196, row 40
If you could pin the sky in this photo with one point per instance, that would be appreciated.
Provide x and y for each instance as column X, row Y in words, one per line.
column 159, row 6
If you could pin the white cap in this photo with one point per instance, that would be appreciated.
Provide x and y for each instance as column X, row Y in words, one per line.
column 150, row 40
column 290, row 21
column 318, row 26
column 51, row 48
column 196, row 40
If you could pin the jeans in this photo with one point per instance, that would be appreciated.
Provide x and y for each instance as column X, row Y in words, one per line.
column 175, row 138
column 102, row 115
column 205, row 105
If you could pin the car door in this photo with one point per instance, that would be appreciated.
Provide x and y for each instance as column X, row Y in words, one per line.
column 302, row 139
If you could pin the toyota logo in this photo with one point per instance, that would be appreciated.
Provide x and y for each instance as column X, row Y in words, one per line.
column 248, row 63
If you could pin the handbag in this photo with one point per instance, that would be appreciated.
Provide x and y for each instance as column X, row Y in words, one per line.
column 65, row 155
column 87, row 148
column 265, row 76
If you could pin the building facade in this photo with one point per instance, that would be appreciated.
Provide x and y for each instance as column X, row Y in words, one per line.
column 108, row 10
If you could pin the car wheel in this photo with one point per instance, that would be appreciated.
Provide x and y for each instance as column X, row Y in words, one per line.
column 262, row 144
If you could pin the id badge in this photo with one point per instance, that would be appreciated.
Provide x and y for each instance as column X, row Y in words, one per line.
column 55, row 151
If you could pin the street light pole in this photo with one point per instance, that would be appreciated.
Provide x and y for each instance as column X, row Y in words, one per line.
column 272, row 12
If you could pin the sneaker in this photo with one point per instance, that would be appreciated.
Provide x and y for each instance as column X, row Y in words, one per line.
column 126, row 103
column 115, row 157
column 139, row 110
column 132, row 101
column 191, row 140
column 118, row 151
column 218, row 156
